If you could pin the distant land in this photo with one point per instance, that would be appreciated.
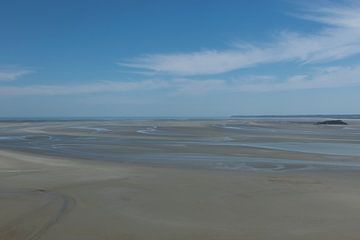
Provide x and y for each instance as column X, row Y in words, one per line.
column 111, row 118
column 336, row 116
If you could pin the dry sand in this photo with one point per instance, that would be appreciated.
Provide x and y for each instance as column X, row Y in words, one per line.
column 47, row 198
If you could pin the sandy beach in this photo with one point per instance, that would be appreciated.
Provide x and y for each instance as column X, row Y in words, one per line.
column 180, row 120
column 57, row 195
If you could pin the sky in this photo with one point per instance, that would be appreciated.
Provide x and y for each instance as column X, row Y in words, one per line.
column 192, row 58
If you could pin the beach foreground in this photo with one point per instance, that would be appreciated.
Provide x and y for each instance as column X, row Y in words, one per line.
column 53, row 196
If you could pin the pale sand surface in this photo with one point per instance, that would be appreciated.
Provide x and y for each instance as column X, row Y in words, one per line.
column 76, row 200
column 57, row 197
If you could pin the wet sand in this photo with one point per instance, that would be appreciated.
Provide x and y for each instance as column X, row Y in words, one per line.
column 47, row 194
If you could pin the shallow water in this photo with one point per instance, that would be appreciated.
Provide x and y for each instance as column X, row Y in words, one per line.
column 215, row 144
column 347, row 149
column 237, row 163
column 12, row 138
column 97, row 129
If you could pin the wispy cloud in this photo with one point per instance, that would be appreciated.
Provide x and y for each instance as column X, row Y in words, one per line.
column 97, row 87
column 12, row 73
column 340, row 13
column 339, row 38
column 330, row 77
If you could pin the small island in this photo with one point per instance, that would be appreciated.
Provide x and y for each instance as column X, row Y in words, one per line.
column 331, row 122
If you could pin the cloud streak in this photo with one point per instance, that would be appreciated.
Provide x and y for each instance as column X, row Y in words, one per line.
column 98, row 87
column 12, row 73
column 330, row 77
column 338, row 39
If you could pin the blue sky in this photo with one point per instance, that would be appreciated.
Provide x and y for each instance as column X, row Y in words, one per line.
column 178, row 58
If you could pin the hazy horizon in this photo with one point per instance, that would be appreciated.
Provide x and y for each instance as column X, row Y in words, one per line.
column 234, row 116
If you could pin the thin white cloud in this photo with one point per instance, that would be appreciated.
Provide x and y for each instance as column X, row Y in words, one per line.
column 98, row 87
column 341, row 14
column 12, row 73
column 330, row 77
column 338, row 39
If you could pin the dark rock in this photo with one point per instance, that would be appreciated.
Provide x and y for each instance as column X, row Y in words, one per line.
column 331, row 122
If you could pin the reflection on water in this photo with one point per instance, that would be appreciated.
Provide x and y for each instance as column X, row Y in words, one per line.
column 12, row 138
column 149, row 130
column 97, row 129
column 237, row 163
